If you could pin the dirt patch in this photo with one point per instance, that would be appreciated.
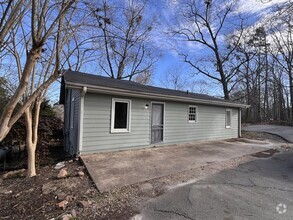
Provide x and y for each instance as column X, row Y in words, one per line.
column 50, row 143
column 40, row 197
column 266, row 154
column 262, row 136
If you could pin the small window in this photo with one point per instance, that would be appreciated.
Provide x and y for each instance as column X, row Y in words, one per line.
column 120, row 119
column 192, row 114
column 228, row 118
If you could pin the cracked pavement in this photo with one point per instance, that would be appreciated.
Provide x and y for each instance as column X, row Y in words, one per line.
column 250, row 191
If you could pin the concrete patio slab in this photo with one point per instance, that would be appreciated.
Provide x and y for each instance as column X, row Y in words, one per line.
column 111, row 170
column 285, row 132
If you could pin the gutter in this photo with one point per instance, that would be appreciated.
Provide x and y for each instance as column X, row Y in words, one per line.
column 81, row 114
column 115, row 91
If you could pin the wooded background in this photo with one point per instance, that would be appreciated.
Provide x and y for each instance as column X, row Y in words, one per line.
column 40, row 40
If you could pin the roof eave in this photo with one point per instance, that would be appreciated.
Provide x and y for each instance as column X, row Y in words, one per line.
column 115, row 91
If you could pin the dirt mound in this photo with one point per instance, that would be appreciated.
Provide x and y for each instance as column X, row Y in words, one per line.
column 50, row 138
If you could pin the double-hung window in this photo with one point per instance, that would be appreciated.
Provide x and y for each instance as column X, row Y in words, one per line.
column 228, row 118
column 192, row 114
column 120, row 117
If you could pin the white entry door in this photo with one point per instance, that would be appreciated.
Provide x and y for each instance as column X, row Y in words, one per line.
column 157, row 125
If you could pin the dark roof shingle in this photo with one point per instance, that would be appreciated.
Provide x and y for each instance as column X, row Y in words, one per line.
column 95, row 80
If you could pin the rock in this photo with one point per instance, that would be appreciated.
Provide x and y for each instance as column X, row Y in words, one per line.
column 80, row 173
column 15, row 173
column 6, row 192
column 83, row 204
column 73, row 213
column 62, row 174
column 62, row 204
column 59, row 165
column 48, row 188
column 30, row 190
column 70, row 198
column 146, row 187
column 79, row 168
column 67, row 217
column 17, row 195
column 61, row 196
column 69, row 184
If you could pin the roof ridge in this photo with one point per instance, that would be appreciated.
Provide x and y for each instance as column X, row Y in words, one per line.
column 80, row 79
column 139, row 84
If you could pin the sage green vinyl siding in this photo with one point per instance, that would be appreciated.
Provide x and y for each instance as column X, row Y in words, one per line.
column 97, row 134
column 210, row 123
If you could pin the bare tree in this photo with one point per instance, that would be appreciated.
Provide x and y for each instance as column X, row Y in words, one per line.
column 144, row 77
column 38, row 46
column 11, row 12
column 282, row 35
column 174, row 78
column 124, row 30
column 41, row 29
column 204, row 23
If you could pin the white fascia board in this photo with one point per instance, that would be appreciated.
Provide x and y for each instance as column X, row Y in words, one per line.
column 123, row 92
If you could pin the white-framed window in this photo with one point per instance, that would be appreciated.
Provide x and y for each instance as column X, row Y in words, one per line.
column 228, row 118
column 192, row 114
column 120, row 117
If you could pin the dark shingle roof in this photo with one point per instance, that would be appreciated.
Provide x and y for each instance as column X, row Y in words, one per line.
column 101, row 81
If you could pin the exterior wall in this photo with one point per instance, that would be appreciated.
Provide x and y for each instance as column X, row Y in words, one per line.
column 97, row 124
column 210, row 125
column 97, row 134
column 71, row 133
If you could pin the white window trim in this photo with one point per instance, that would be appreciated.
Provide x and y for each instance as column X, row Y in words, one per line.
column 196, row 114
column 115, row 130
column 230, row 112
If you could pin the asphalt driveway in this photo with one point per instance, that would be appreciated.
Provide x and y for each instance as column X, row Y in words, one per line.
column 260, row 189
column 285, row 132
column 117, row 169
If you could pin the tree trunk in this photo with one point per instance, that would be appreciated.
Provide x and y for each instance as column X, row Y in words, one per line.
column 32, row 124
column 31, row 147
column 259, row 118
column 248, row 119
column 3, row 132
column 225, row 90
column 291, row 94
column 31, row 162
column 7, row 113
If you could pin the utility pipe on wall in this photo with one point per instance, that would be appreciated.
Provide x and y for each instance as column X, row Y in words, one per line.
column 81, row 114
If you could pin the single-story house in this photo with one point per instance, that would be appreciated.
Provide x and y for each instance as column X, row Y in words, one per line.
column 105, row 114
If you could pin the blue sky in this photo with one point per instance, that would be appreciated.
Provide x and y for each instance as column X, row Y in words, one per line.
column 167, row 11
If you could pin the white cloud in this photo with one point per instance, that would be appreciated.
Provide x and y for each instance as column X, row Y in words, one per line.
column 257, row 6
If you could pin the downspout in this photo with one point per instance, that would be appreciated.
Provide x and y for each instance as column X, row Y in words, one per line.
column 81, row 114
column 239, row 122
